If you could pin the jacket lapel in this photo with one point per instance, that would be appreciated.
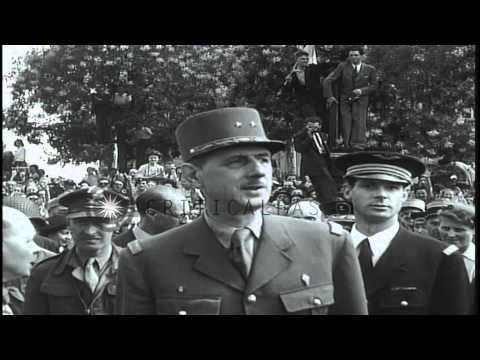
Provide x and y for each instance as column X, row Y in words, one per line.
column 392, row 260
column 212, row 257
column 272, row 254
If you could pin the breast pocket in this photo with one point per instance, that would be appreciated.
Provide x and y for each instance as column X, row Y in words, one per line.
column 188, row 305
column 403, row 300
column 314, row 300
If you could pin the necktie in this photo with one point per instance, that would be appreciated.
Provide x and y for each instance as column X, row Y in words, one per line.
column 91, row 275
column 365, row 259
column 240, row 254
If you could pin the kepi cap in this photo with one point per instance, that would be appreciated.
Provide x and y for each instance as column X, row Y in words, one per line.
column 377, row 165
column 220, row 128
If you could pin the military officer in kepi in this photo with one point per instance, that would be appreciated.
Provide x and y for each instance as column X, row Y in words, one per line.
column 81, row 280
column 234, row 259
column 404, row 272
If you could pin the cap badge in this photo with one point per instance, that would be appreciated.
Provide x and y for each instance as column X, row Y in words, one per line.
column 109, row 208
column 238, row 124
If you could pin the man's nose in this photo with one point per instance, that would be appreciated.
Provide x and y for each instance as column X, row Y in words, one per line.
column 451, row 233
column 257, row 168
column 89, row 228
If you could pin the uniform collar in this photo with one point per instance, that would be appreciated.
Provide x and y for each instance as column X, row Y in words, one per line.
column 70, row 259
column 102, row 260
column 140, row 233
column 224, row 232
column 379, row 241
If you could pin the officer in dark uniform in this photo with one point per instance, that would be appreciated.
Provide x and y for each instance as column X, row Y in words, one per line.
column 234, row 259
column 404, row 272
column 81, row 280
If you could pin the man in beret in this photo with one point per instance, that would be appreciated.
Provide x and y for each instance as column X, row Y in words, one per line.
column 457, row 228
column 235, row 259
column 161, row 208
column 19, row 253
column 81, row 280
column 404, row 272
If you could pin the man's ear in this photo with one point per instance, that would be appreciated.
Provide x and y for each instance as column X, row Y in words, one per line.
column 193, row 174
column 347, row 192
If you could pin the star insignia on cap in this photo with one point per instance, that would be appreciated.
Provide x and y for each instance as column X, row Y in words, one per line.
column 109, row 207
column 252, row 124
column 238, row 124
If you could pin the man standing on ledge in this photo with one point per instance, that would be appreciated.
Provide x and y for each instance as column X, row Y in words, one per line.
column 356, row 82
column 405, row 273
column 234, row 259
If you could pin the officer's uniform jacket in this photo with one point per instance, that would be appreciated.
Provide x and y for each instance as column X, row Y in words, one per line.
column 299, row 267
column 53, row 289
column 417, row 275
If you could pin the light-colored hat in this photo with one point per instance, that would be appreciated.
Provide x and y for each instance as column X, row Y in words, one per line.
column 414, row 204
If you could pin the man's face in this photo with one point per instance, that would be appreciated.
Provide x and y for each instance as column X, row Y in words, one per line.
column 421, row 194
column 453, row 232
column 432, row 225
column 19, row 252
column 153, row 159
column 63, row 237
column 90, row 234
column 302, row 61
column 11, row 187
column 103, row 183
column 376, row 201
column 142, row 185
column 175, row 214
column 239, row 178
column 354, row 57
column 117, row 186
column 448, row 194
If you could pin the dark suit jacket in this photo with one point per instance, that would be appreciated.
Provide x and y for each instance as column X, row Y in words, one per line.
column 312, row 162
column 124, row 238
column 414, row 276
column 186, row 270
column 366, row 80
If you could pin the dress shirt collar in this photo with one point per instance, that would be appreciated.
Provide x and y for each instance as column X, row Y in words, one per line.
column 224, row 232
column 470, row 252
column 101, row 260
column 140, row 233
column 379, row 242
column 358, row 66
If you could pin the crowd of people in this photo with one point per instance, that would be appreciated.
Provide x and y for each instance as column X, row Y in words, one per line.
column 365, row 232
column 130, row 210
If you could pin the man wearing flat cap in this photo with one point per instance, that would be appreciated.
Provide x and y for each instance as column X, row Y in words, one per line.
column 81, row 280
column 161, row 208
column 404, row 272
column 457, row 229
column 234, row 259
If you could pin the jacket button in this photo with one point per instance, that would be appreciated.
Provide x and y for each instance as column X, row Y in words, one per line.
column 404, row 303
column 316, row 301
column 182, row 312
column 251, row 298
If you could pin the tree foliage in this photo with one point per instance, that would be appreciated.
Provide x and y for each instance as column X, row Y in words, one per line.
column 424, row 93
